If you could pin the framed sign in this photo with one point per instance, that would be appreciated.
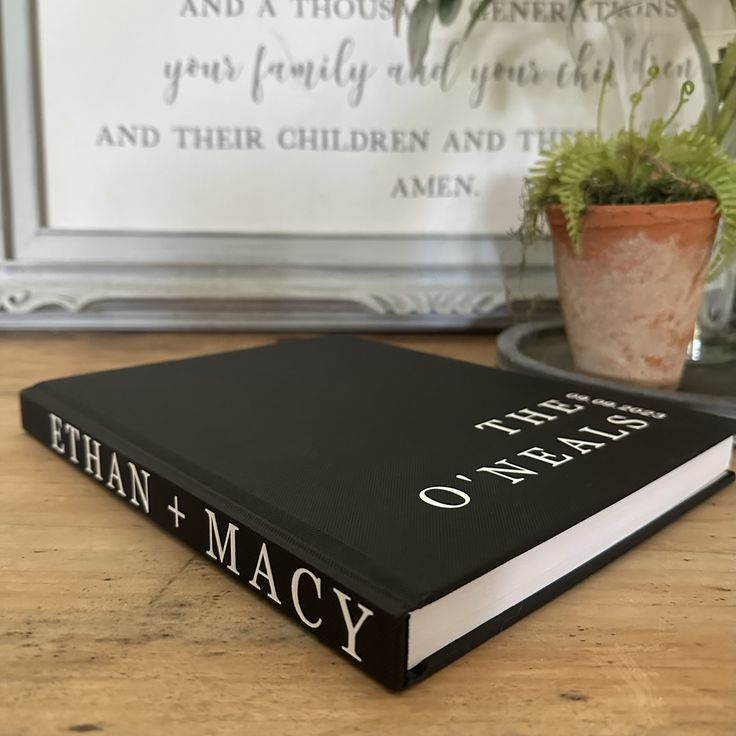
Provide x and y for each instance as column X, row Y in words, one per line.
column 275, row 164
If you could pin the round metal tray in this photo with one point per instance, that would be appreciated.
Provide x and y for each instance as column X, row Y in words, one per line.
column 541, row 348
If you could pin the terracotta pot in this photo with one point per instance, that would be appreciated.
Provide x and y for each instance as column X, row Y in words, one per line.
column 631, row 300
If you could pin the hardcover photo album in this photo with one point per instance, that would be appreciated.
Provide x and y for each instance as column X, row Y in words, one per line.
column 401, row 507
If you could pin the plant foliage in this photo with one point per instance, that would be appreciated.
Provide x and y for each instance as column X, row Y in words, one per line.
column 719, row 88
column 656, row 166
column 630, row 167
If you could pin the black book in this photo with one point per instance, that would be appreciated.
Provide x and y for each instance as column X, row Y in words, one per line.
column 400, row 506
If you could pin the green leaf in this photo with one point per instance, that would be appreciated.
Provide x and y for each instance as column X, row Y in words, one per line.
column 726, row 76
column 573, row 7
column 447, row 10
column 483, row 5
column 710, row 87
column 420, row 26
column 398, row 9
column 726, row 115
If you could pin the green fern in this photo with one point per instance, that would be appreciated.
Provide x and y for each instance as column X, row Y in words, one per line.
column 633, row 168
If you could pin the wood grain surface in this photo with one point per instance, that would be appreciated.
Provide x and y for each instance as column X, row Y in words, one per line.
column 109, row 626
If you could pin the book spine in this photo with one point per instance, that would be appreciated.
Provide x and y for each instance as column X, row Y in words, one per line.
column 353, row 627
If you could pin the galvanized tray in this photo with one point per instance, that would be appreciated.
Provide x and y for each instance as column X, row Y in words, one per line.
column 541, row 348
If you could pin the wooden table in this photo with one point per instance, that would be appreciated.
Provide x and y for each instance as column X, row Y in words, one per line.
column 107, row 625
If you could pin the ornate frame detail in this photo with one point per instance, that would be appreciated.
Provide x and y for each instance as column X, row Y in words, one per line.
column 109, row 280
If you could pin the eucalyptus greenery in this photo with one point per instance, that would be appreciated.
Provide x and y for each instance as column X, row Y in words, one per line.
column 718, row 81
column 629, row 167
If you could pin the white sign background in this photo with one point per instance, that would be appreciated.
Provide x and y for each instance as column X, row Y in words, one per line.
column 230, row 147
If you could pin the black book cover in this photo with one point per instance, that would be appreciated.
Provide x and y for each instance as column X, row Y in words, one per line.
column 350, row 483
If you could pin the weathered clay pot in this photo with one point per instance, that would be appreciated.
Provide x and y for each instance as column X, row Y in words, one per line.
column 631, row 300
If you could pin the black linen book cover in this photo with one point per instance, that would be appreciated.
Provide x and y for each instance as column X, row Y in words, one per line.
column 350, row 483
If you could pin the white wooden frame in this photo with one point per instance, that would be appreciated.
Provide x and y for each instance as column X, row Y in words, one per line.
column 108, row 280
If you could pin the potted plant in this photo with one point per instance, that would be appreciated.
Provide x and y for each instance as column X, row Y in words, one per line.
column 633, row 218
